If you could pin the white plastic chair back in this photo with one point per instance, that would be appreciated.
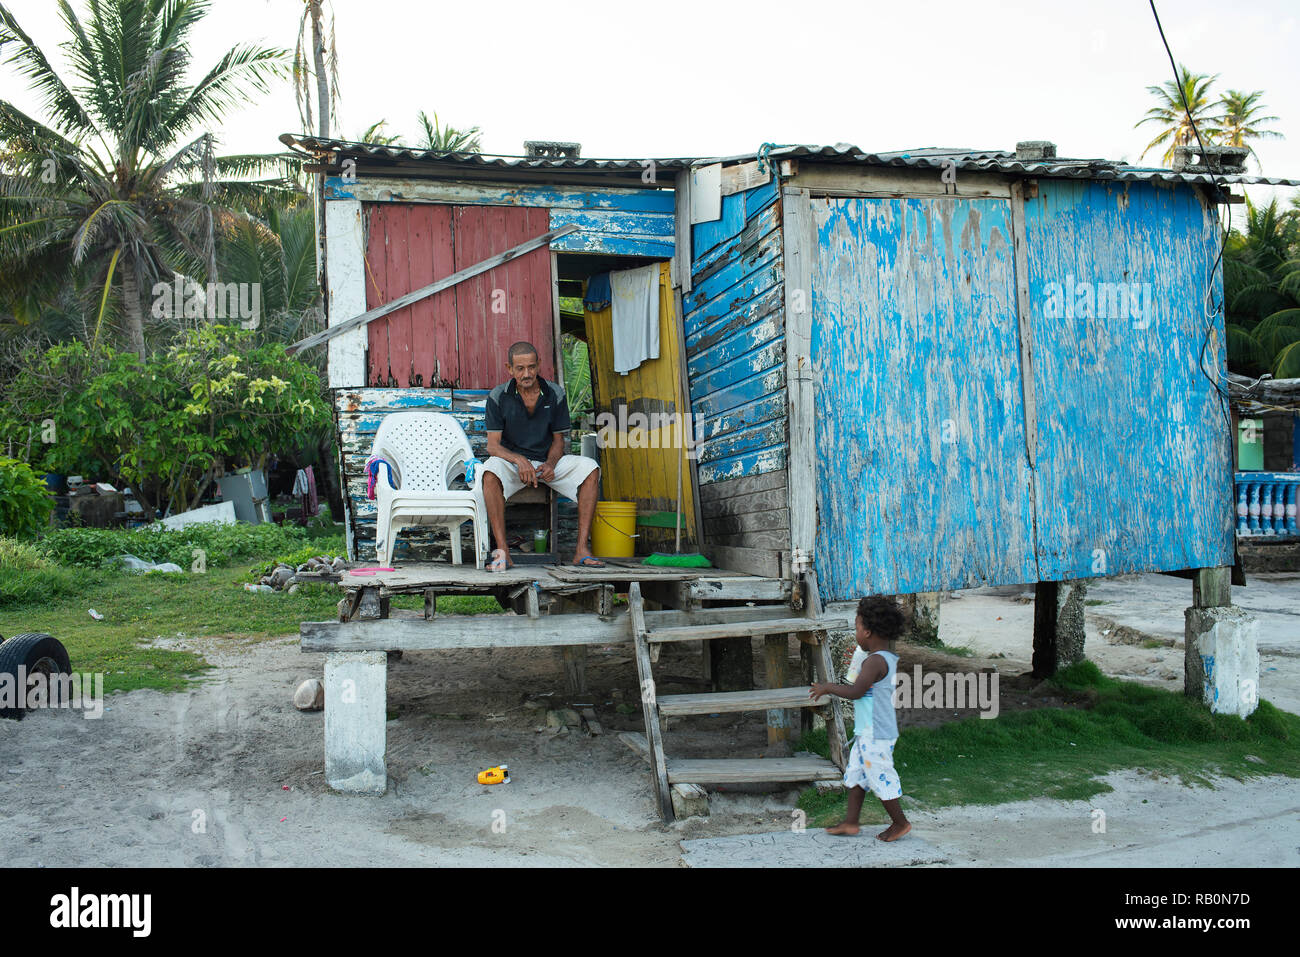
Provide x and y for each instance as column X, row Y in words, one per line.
column 427, row 449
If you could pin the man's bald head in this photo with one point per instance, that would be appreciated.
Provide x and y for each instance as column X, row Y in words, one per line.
column 520, row 349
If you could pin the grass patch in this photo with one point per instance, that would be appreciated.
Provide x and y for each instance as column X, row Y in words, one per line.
column 452, row 604
column 28, row 575
column 140, row 608
column 1096, row 601
column 959, row 651
column 1062, row 752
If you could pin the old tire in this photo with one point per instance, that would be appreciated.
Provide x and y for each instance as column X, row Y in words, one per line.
column 34, row 652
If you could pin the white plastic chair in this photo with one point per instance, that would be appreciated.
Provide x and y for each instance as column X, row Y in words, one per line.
column 427, row 450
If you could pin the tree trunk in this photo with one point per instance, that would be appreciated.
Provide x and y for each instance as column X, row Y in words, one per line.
column 323, row 130
column 132, row 308
column 322, row 80
column 329, row 478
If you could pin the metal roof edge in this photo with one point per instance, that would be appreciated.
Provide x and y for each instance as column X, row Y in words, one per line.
column 990, row 161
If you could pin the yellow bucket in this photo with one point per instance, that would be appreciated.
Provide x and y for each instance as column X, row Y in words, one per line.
column 613, row 533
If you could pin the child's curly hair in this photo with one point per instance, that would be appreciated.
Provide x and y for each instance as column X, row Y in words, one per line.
column 882, row 616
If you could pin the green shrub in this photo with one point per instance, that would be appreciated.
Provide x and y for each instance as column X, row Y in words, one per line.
column 28, row 576
column 221, row 544
column 25, row 503
column 19, row 554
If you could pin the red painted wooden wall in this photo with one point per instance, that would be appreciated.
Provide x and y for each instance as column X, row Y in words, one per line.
column 455, row 337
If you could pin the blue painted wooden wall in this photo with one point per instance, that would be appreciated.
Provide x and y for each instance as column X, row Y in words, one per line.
column 735, row 338
column 925, row 481
column 1135, row 466
column 923, row 473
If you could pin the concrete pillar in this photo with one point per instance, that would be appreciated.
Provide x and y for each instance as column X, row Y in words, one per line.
column 1222, row 659
column 356, row 708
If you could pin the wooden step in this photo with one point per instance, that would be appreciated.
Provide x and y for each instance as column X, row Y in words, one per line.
column 761, row 700
column 763, row 626
column 750, row 770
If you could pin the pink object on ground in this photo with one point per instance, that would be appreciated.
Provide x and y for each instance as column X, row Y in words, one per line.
column 370, row 571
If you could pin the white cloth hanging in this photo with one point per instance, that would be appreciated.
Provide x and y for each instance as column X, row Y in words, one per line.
column 634, row 307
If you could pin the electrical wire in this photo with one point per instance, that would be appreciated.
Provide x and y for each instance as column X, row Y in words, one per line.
column 1212, row 309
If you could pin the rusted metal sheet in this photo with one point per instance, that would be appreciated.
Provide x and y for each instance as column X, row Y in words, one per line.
column 1135, row 467
column 458, row 336
column 923, row 475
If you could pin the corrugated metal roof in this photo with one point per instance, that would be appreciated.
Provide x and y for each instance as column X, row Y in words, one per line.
column 990, row 161
column 1001, row 161
column 316, row 145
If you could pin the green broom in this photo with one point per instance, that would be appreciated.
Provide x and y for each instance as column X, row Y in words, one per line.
column 677, row 559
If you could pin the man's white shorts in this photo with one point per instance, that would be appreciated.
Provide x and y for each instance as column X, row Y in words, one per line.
column 570, row 472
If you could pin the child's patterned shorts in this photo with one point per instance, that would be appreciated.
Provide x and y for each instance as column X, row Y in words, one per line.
column 871, row 766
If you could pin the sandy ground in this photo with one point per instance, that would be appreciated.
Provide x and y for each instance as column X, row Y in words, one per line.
column 199, row 778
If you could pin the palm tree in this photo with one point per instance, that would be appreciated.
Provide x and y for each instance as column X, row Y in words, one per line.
column 447, row 139
column 1239, row 121
column 433, row 137
column 374, row 135
column 324, row 69
column 116, row 184
column 1174, row 119
column 1262, row 287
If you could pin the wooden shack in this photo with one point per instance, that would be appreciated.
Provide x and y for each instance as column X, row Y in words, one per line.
column 905, row 372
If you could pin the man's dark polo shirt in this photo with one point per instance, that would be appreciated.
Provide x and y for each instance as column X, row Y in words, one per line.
column 524, row 434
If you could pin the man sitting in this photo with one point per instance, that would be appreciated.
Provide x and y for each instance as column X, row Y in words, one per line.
column 527, row 430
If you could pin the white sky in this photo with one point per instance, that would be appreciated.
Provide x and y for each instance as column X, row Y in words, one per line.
column 633, row 79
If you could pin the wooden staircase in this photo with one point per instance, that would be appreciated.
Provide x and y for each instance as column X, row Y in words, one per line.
column 772, row 620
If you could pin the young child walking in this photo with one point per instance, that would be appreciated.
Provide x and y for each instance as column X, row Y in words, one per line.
column 875, row 726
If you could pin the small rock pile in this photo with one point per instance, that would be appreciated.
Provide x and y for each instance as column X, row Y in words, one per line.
column 284, row 576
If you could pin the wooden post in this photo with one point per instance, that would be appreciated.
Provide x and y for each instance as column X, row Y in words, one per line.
column 1044, row 660
column 599, row 601
column 776, row 650
column 807, row 675
column 1211, row 588
column 649, row 704
column 575, row 669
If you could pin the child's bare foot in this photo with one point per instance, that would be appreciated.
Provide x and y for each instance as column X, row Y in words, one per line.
column 894, row 832
column 845, row 828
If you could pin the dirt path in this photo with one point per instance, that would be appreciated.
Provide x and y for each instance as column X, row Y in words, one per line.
column 198, row 778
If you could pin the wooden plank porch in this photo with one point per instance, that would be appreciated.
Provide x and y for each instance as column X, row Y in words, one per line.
column 571, row 608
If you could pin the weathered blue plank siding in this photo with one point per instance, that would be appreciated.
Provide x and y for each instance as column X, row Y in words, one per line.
column 923, row 473
column 1134, row 464
column 637, row 223
column 735, row 339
